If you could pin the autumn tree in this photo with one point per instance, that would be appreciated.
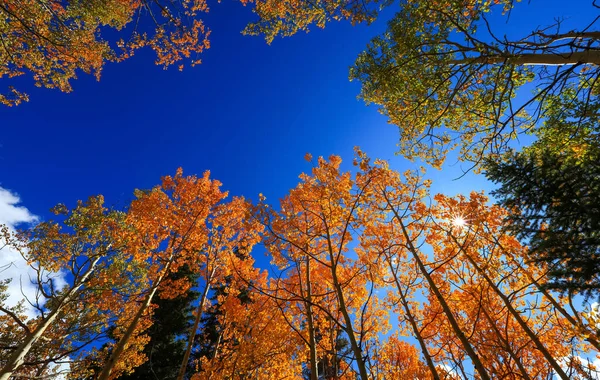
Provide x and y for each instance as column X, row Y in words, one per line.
column 231, row 235
column 167, row 228
column 183, row 222
column 465, row 290
column 551, row 190
column 448, row 79
column 311, row 237
column 347, row 249
column 283, row 18
column 397, row 359
column 71, row 316
column 246, row 337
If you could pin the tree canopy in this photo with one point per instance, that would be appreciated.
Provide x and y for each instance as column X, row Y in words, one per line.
column 347, row 250
column 448, row 80
column 370, row 275
column 52, row 40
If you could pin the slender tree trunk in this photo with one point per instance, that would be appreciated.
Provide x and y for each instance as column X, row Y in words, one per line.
column 533, row 59
column 360, row 363
column 534, row 338
column 414, row 326
column 217, row 346
column 314, row 369
column 120, row 347
column 17, row 358
column 440, row 298
column 194, row 329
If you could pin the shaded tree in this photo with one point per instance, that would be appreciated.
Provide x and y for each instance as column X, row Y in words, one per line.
column 171, row 319
column 552, row 189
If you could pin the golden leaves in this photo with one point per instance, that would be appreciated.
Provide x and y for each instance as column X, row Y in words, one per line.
column 354, row 249
column 52, row 40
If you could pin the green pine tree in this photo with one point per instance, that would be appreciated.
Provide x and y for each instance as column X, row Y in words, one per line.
column 172, row 320
column 552, row 191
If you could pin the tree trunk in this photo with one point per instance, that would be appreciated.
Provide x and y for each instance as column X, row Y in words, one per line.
column 192, row 336
column 413, row 325
column 18, row 356
column 314, row 369
column 120, row 347
column 360, row 363
column 533, row 59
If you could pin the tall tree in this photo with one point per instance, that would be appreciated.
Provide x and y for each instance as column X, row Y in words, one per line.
column 484, row 309
column 230, row 238
column 311, row 234
column 552, row 189
column 447, row 79
column 70, row 316
column 166, row 229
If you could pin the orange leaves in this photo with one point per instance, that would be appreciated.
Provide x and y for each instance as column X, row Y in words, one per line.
column 400, row 360
column 170, row 220
column 52, row 40
column 352, row 248
column 313, row 236
column 256, row 341
column 287, row 17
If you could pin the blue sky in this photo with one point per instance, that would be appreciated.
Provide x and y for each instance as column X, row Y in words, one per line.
column 248, row 113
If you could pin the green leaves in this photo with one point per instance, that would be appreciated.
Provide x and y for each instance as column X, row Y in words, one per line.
column 448, row 81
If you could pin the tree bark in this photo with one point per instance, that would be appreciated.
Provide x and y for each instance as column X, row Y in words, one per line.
column 192, row 336
column 534, row 59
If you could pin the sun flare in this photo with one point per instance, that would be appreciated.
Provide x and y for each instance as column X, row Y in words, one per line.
column 459, row 222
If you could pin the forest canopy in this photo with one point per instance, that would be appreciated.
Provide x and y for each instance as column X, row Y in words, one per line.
column 353, row 255
column 359, row 272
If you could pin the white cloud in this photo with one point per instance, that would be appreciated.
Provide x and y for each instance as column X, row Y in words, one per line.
column 12, row 264
column 11, row 214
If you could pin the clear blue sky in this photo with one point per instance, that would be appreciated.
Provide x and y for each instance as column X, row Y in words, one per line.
column 249, row 113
